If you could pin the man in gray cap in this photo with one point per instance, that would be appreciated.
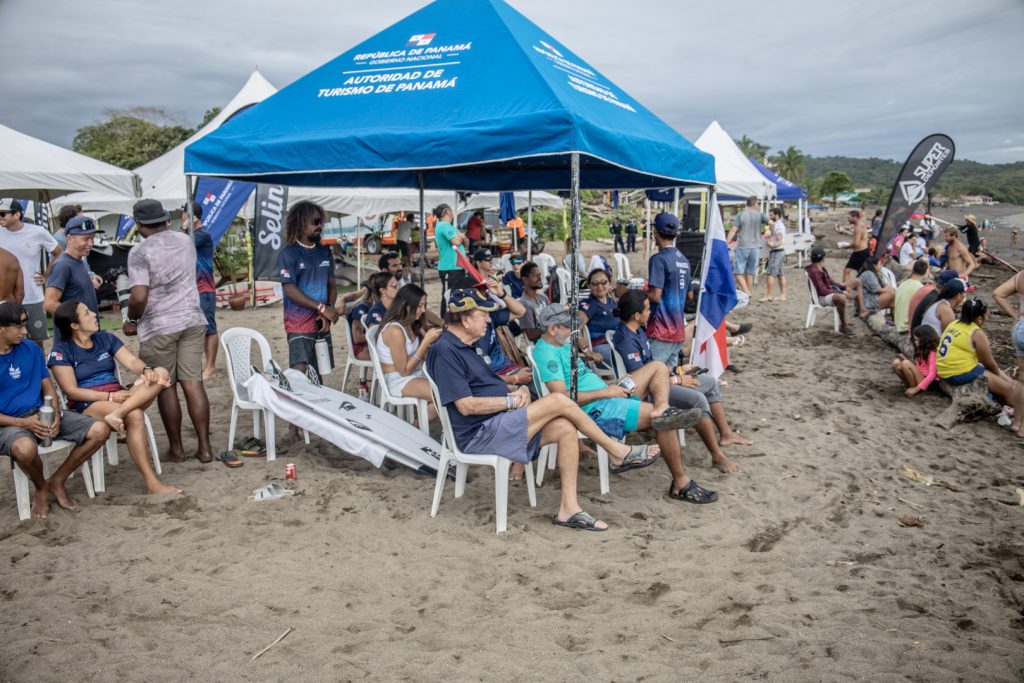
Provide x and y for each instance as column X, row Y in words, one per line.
column 29, row 243
column 69, row 275
column 164, row 311
column 617, row 409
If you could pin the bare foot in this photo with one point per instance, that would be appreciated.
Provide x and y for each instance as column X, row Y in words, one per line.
column 63, row 499
column 160, row 487
column 517, row 472
column 586, row 451
column 734, row 439
column 173, row 455
column 115, row 422
column 659, row 409
column 204, row 456
column 209, row 372
column 724, row 464
column 765, row 299
column 782, row 298
column 41, row 504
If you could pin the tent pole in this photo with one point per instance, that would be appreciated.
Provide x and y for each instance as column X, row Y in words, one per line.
column 423, row 232
column 647, row 242
column 703, row 210
column 708, row 198
column 675, row 202
column 359, row 254
column 529, row 225
column 189, row 198
column 574, row 280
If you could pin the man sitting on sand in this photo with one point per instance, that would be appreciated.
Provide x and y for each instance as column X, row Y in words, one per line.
column 830, row 292
column 489, row 417
column 23, row 384
column 616, row 409
column 958, row 258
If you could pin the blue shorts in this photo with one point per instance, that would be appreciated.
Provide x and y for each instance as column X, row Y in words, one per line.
column 666, row 352
column 745, row 260
column 966, row 377
column 208, row 302
column 1018, row 338
column 615, row 416
column 504, row 435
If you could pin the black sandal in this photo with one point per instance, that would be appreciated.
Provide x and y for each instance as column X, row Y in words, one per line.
column 636, row 459
column 693, row 493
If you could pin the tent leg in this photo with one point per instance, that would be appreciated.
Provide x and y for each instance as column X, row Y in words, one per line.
column 529, row 225
column 189, row 198
column 647, row 241
column 705, row 222
column 573, row 295
column 423, row 232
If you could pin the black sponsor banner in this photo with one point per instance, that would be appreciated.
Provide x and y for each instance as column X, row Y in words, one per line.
column 268, row 229
column 922, row 170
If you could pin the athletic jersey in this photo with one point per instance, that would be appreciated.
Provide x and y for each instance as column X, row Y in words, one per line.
column 632, row 346
column 554, row 363
column 375, row 314
column 22, row 371
column 513, row 284
column 310, row 270
column 956, row 350
column 669, row 271
column 444, row 233
column 204, row 261
column 93, row 367
column 601, row 318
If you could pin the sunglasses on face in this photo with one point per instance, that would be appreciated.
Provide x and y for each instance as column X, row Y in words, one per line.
column 3, row 214
column 317, row 222
column 599, row 283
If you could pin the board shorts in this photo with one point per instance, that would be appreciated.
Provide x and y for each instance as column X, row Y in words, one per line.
column 302, row 348
column 180, row 352
column 966, row 377
column 666, row 352
column 615, row 416
column 37, row 323
column 745, row 260
column 504, row 435
column 776, row 262
column 857, row 259
column 73, row 427
column 208, row 304
column 1018, row 338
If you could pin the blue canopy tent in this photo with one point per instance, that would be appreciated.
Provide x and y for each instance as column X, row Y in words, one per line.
column 787, row 190
column 462, row 95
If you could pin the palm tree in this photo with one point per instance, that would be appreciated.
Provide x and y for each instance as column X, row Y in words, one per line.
column 752, row 149
column 790, row 164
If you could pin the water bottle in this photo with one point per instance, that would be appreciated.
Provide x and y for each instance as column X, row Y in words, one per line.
column 364, row 391
column 46, row 416
column 124, row 290
column 323, row 357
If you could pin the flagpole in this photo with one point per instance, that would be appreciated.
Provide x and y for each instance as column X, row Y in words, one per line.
column 704, row 264
column 573, row 294
column 529, row 225
column 647, row 242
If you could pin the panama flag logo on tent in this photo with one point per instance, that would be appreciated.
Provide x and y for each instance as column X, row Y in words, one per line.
column 209, row 198
column 420, row 40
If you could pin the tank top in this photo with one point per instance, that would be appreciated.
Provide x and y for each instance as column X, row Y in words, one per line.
column 931, row 318
column 384, row 351
column 956, row 350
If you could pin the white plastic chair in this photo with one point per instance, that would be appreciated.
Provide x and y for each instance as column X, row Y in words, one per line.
column 802, row 243
column 600, row 369
column 98, row 480
column 450, row 451
column 549, row 453
column 564, row 284
column 237, row 343
column 352, row 362
column 506, row 263
column 622, row 267
column 22, row 483
column 816, row 305
column 402, row 404
column 546, row 262
column 99, row 476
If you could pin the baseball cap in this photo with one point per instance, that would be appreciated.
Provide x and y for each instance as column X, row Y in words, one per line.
column 955, row 285
column 945, row 276
column 554, row 314
column 8, row 204
column 150, row 212
column 482, row 254
column 666, row 224
column 80, row 225
column 817, row 254
column 11, row 313
column 461, row 300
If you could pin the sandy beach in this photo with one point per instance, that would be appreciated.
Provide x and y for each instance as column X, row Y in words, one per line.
column 801, row 572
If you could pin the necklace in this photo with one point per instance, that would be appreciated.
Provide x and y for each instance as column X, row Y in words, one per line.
column 309, row 248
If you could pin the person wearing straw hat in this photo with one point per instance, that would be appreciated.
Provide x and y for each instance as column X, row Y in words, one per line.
column 970, row 232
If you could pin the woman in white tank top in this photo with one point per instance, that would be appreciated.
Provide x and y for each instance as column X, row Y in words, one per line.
column 402, row 347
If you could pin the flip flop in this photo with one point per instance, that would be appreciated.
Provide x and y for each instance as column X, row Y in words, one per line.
column 229, row 458
column 744, row 328
column 674, row 418
column 636, row 459
column 693, row 493
column 581, row 520
column 271, row 491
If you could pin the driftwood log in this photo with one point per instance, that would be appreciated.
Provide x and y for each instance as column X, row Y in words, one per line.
column 970, row 402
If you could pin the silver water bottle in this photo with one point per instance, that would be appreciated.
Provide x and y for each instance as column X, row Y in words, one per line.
column 46, row 416
column 124, row 290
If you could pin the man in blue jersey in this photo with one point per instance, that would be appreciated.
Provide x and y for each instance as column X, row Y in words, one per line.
column 205, row 285
column 668, row 283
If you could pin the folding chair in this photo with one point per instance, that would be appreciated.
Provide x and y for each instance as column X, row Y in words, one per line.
column 237, row 343
column 450, row 452
column 404, row 406
column 816, row 305
column 549, row 453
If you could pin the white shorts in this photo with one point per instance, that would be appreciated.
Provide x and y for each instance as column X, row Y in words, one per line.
column 396, row 381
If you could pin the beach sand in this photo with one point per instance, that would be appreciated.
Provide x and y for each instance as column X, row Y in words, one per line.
column 801, row 571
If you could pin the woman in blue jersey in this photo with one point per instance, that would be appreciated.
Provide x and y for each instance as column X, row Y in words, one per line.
column 598, row 312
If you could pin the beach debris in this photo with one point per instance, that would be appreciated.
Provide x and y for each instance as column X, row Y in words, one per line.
column 926, row 479
column 666, row 637
column 279, row 639
column 840, row 563
column 908, row 503
column 1020, row 494
column 791, row 474
column 912, row 520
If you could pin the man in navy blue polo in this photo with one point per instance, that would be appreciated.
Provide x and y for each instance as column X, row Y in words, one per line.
column 489, row 417
column 69, row 276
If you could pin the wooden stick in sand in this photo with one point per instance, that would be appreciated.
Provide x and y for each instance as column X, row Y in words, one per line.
column 279, row 639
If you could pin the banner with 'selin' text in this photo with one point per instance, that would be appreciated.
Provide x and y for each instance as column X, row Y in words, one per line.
column 268, row 229
column 919, row 174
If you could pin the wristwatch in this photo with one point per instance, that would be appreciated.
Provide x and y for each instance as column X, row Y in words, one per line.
column 132, row 321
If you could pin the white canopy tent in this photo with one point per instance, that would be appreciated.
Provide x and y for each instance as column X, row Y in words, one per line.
column 735, row 175
column 33, row 169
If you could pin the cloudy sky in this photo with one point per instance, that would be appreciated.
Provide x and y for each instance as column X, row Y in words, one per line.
column 863, row 78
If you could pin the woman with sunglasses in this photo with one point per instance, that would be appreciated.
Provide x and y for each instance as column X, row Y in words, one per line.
column 598, row 312
column 84, row 364
column 402, row 345
column 965, row 354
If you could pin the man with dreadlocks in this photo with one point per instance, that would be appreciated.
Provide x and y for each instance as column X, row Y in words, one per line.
column 307, row 277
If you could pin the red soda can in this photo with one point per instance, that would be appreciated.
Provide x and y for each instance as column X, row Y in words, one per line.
column 289, row 471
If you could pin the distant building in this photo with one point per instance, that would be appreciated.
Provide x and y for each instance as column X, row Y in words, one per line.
column 975, row 199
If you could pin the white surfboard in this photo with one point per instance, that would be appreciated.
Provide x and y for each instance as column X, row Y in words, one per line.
column 405, row 443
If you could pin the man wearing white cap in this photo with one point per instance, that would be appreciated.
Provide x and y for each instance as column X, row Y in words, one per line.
column 28, row 243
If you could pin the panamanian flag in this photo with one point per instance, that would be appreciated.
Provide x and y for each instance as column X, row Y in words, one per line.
column 717, row 298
